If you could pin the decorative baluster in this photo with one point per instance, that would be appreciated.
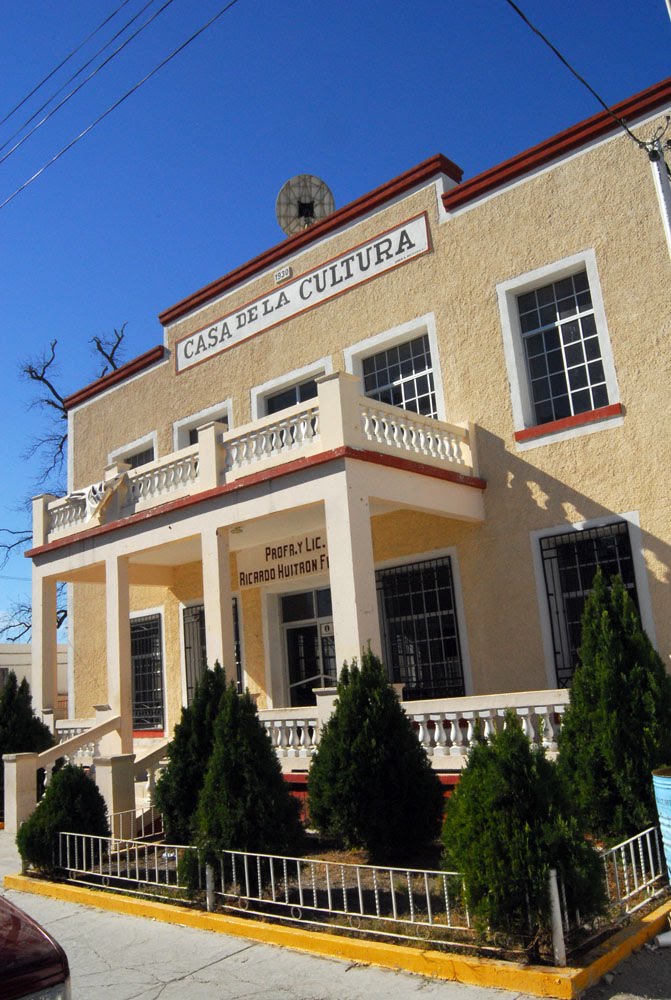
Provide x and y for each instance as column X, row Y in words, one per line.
column 487, row 719
column 456, row 738
column 470, row 728
column 283, row 742
column 423, row 732
column 439, row 736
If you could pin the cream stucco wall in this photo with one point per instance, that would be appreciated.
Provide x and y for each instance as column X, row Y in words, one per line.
column 602, row 200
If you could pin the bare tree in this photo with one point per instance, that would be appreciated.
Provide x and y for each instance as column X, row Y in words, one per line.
column 48, row 452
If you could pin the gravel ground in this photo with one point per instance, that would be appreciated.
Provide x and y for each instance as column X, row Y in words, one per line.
column 646, row 975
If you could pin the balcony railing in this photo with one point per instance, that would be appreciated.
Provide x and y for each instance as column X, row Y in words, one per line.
column 447, row 728
column 338, row 418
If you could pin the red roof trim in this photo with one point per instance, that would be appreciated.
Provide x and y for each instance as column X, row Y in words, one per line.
column 118, row 375
column 567, row 423
column 348, row 213
column 558, row 145
column 254, row 479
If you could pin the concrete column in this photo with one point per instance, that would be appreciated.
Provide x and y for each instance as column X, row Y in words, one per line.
column 351, row 568
column 20, row 788
column 116, row 783
column 44, row 663
column 119, row 679
column 211, row 453
column 218, row 600
column 339, row 416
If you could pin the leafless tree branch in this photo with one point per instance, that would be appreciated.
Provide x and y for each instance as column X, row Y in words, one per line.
column 109, row 346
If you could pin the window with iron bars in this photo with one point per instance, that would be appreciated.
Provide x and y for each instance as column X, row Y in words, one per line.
column 195, row 652
column 570, row 562
column 420, row 631
column 146, row 653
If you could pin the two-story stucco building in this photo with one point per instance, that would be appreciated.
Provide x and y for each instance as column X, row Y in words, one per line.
column 420, row 424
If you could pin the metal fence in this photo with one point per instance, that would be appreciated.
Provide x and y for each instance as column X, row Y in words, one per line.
column 124, row 865
column 635, row 870
column 373, row 901
column 391, row 902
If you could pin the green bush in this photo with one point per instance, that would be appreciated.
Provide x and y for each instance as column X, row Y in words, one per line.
column 179, row 786
column 20, row 729
column 245, row 804
column 71, row 803
column 371, row 784
column 617, row 727
column 507, row 824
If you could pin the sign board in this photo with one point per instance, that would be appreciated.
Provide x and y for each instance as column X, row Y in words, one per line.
column 371, row 259
column 291, row 559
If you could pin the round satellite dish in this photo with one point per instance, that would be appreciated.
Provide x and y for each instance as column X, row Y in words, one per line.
column 303, row 201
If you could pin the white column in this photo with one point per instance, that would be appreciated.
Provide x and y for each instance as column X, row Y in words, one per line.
column 44, row 665
column 119, row 678
column 355, row 614
column 218, row 601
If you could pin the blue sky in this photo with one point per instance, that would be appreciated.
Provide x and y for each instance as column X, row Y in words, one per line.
column 178, row 185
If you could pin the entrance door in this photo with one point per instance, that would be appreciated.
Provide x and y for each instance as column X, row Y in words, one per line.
column 310, row 644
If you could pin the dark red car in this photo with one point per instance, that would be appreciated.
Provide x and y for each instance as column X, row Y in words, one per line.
column 32, row 965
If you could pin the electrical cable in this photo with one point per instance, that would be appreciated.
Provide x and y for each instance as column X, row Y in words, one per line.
column 63, row 62
column 620, row 122
column 120, row 101
column 75, row 75
column 86, row 79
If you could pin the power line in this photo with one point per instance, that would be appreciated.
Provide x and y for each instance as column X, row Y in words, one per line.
column 79, row 86
column 73, row 77
column 63, row 62
column 113, row 107
column 639, row 142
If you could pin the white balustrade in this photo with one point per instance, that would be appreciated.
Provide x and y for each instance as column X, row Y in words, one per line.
column 66, row 515
column 271, row 439
column 292, row 735
column 152, row 483
column 75, row 732
column 338, row 417
column 452, row 726
column 415, row 435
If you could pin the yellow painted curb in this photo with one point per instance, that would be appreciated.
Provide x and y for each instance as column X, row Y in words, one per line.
column 542, row 981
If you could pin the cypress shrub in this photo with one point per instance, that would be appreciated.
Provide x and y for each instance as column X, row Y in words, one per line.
column 71, row 803
column 507, row 824
column 371, row 784
column 179, row 786
column 245, row 804
column 617, row 727
column 20, row 729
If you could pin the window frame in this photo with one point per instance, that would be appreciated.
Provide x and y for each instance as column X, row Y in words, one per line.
column 640, row 576
column 181, row 428
column 527, row 432
column 158, row 612
column 421, row 326
column 259, row 393
column 450, row 553
column 127, row 451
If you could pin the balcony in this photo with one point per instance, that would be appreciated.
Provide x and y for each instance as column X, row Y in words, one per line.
column 339, row 422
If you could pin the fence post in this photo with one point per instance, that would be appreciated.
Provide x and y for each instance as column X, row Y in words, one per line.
column 209, row 887
column 558, row 943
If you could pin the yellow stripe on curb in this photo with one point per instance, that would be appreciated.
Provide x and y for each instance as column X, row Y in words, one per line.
column 546, row 981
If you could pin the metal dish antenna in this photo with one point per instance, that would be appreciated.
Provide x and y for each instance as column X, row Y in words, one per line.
column 302, row 201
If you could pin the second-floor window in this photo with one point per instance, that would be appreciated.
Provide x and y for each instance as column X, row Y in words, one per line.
column 562, row 349
column 403, row 376
column 290, row 396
